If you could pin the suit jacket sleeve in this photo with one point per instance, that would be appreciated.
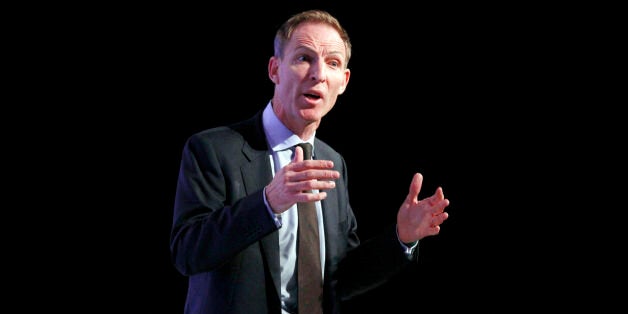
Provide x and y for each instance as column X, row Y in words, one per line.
column 219, row 208
column 355, row 266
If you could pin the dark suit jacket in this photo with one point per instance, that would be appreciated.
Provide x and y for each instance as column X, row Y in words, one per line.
column 224, row 239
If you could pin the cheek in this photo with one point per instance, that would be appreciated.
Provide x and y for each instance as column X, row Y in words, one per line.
column 330, row 104
column 290, row 79
column 293, row 72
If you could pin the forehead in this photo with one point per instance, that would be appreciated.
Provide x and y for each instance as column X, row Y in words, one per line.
column 317, row 36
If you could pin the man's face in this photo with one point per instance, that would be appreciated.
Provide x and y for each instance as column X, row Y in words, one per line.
column 311, row 74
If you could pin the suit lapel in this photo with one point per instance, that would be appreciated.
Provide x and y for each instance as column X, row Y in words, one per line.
column 330, row 217
column 256, row 174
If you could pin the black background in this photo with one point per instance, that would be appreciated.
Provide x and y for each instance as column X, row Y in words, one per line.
column 470, row 95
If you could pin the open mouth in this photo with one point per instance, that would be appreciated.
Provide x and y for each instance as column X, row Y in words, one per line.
column 312, row 96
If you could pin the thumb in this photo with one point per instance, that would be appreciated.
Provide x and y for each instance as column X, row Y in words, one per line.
column 415, row 187
column 298, row 154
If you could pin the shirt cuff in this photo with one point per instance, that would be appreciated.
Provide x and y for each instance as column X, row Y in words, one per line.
column 408, row 248
column 276, row 218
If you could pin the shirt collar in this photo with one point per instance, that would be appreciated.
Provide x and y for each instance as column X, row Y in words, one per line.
column 278, row 135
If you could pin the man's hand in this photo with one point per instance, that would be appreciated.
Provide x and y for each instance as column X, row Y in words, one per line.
column 418, row 219
column 290, row 182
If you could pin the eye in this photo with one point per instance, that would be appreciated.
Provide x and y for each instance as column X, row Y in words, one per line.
column 303, row 58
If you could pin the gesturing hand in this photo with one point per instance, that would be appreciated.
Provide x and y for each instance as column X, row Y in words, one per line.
column 290, row 182
column 416, row 218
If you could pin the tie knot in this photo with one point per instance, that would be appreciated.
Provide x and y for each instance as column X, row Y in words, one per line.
column 307, row 150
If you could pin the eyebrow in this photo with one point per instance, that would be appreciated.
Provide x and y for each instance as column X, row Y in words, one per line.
column 307, row 48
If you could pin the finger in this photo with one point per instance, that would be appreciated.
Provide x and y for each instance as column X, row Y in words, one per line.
column 438, row 202
column 439, row 218
column 318, row 165
column 439, row 193
column 440, row 196
column 435, row 198
column 316, row 174
column 319, row 185
column 434, row 230
column 311, row 197
column 415, row 187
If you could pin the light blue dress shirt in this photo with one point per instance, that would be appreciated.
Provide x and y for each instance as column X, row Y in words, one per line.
column 281, row 142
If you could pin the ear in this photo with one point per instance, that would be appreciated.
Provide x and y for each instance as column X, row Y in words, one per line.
column 346, row 82
column 273, row 69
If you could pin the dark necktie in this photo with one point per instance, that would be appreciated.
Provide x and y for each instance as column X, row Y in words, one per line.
column 310, row 283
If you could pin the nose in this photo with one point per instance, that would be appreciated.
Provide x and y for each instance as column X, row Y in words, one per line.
column 317, row 71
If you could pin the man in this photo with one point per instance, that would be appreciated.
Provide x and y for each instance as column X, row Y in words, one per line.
column 235, row 231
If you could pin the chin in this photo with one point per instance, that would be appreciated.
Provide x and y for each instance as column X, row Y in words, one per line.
column 311, row 114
